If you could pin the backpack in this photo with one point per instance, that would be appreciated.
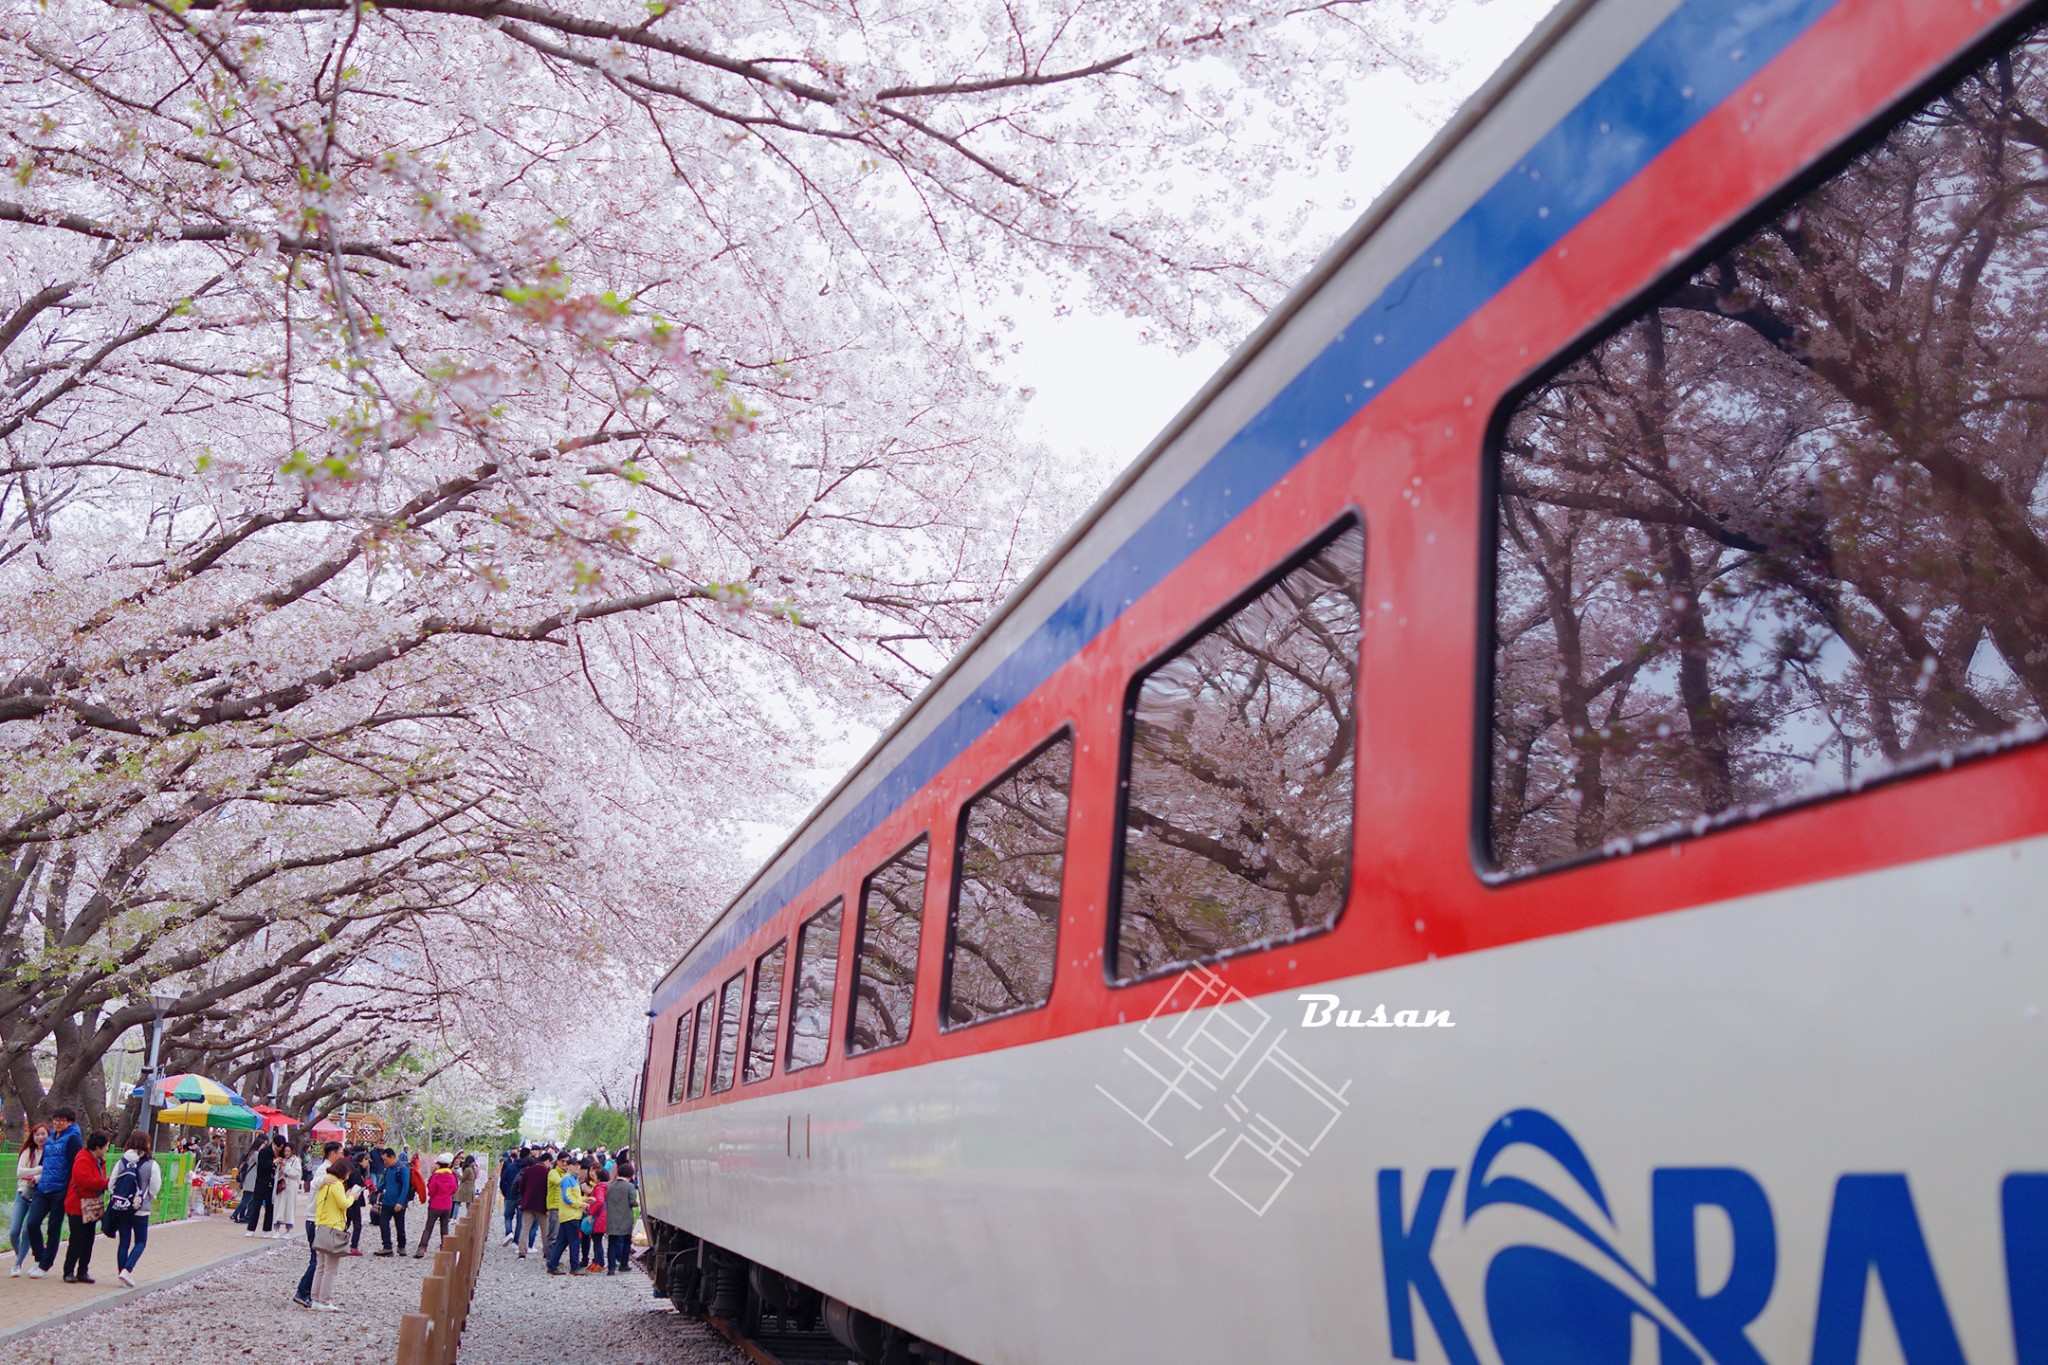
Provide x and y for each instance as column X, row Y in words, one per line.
column 126, row 1192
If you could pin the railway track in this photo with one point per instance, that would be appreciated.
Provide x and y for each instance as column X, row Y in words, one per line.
column 782, row 1343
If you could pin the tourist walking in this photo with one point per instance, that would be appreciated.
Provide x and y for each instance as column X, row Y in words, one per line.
column 509, row 1170
column 332, row 1199
column 46, row 1210
column 245, row 1174
column 569, row 1225
column 394, row 1198
column 533, row 1205
column 263, row 1187
column 313, row 1166
column 131, row 1194
column 470, row 1175
column 594, row 1221
column 620, row 1202
column 358, row 1178
column 441, row 1186
column 291, row 1179
column 558, row 1169
column 84, row 1201
column 28, row 1168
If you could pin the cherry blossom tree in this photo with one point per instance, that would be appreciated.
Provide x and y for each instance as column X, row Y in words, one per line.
column 460, row 454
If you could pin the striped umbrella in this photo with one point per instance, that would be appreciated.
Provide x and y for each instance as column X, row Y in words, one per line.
column 193, row 1088
column 193, row 1114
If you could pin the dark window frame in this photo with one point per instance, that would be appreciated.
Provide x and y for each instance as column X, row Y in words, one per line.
column 1064, row 732
column 739, row 1036
column 703, row 1015
column 1305, row 550
column 1823, row 168
column 860, row 933
column 679, row 1062
column 795, row 970
column 753, row 1021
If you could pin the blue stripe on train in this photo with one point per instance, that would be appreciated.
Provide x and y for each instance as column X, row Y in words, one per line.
column 1686, row 67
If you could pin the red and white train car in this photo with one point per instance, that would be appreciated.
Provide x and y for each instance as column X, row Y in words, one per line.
column 1515, row 833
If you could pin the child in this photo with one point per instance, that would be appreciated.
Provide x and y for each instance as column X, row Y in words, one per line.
column 594, row 1210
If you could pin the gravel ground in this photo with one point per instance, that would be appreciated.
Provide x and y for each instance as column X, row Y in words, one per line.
column 522, row 1316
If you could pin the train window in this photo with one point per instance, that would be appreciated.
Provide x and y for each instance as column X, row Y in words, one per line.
column 817, row 973
column 1002, row 933
column 760, row 1064
column 885, row 950
column 700, row 1052
column 1238, row 760
column 679, row 1065
column 1783, row 531
column 726, row 1063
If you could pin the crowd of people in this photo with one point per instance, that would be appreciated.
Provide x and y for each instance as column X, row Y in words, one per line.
column 351, row 1185
column 61, row 1174
column 576, row 1206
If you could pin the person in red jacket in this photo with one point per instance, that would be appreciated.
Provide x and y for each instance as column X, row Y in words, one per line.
column 88, row 1181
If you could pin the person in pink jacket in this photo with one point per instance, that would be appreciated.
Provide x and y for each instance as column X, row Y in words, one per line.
column 441, row 1187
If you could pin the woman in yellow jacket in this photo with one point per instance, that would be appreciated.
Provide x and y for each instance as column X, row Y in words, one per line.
column 331, row 1201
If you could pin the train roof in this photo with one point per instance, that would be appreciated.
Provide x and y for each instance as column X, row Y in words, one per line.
column 1238, row 391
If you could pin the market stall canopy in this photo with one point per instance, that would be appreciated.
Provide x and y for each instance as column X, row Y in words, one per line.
column 326, row 1131
column 191, row 1088
column 196, row 1115
column 275, row 1118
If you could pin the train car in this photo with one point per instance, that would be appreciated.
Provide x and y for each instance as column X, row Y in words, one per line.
column 1515, row 832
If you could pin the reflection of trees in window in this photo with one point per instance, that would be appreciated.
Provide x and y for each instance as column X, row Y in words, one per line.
column 885, row 964
column 1006, row 911
column 1237, row 825
column 817, row 972
column 700, row 1054
column 678, row 1070
column 1787, row 529
column 767, row 1010
column 727, row 1061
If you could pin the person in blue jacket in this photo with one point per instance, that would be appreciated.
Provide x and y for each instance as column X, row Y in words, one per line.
column 508, row 1188
column 394, row 1195
column 47, row 1207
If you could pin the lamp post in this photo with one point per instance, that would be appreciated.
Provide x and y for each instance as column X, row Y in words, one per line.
column 161, row 1002
column 344, row 1080
column 277, row 1052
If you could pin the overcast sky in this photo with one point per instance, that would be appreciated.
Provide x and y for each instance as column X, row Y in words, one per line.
column 1066, row 358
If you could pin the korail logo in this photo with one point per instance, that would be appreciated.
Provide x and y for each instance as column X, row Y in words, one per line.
column 1558, row 1290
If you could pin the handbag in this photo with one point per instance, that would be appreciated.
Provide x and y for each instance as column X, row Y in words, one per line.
column 90, row 1207
column 332, row 1241
column 586, row 1225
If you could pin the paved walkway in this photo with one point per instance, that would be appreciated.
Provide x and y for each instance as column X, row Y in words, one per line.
column 176, row 1251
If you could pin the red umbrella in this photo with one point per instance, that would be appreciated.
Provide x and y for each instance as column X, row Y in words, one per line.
column 274, row 1118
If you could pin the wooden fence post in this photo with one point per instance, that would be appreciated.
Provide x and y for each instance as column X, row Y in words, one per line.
column 433, row 1335
column 434, row 1303
column 415, row 1335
